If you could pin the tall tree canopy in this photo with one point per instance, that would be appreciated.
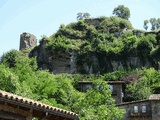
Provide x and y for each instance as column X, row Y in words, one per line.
column 24, row 79
column 81, row 16
column 122, row 11
column 145, row 24
column 155, row 23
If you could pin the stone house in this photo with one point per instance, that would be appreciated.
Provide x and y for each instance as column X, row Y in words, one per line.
column 142, row 109
column 115, row 87
column 13, row 107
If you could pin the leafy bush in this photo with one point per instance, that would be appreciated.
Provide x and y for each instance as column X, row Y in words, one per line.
column 145, row 86
column 114, row 24
column 100, row 99
column 145, row 46
column 9, row 58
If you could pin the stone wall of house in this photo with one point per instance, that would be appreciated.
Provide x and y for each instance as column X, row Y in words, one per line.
column 131, row 114
column 116, row 89
column 117, row 93
column 155, row 109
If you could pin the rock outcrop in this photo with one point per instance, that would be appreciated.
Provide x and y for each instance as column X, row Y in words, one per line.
column 91, row 46
column 71, row 62
column 27, row 40
column 56, row 63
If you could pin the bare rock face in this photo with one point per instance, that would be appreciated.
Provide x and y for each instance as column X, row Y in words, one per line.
column 61, row 62
column 27, row 40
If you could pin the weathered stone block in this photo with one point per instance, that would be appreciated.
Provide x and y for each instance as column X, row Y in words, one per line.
column 27, row 40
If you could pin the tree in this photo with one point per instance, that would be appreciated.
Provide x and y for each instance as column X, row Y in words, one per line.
column 122, row 12
column 81, row 16
column 158, row 24
column 86, row 15
column 97, row 104
column 8, row 80
column 9, row 58
column 153, row 22
column 145, row 86
column 145, row 24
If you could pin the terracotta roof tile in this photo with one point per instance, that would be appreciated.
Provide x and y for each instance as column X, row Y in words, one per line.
column 23, row 100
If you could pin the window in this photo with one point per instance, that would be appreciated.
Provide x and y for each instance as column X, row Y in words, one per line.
column 144, row 109
column 135, row 109
column 111, row 87
column 122, row 94
column 88, row 86
column 99, row 87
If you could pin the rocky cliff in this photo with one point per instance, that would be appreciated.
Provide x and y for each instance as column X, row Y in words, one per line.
column 93, row 63
column 93, row 46
column 61, row 62
column 27, row 40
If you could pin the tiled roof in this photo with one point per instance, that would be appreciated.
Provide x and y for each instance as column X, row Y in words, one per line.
column 15, row 98
column 151, row 97
column 132, row 102
column 154, row 97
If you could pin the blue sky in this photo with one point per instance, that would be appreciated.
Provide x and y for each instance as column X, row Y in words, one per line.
column 43, row 17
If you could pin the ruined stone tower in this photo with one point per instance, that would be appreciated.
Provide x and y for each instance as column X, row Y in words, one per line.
column 27, row 40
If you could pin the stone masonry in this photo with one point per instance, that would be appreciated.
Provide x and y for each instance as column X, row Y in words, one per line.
column 148, row 109
column 27, row 40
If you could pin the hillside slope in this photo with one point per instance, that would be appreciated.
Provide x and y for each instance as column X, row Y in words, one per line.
column 96, row 45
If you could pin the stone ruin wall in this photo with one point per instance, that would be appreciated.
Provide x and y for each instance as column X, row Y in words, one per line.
column 27, row 40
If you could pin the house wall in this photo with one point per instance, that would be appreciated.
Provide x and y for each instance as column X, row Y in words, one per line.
column 132, row 115
column 117, row 93
column 85, row 87
column 155, row 107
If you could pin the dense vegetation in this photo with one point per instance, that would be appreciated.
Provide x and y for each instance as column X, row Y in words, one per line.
column 85, row 36
column 113, row 37
column 107, row 38
column 19, row 75
column 110, row 38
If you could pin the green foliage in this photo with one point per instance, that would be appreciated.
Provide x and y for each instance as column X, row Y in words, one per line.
column 145, row 45
column 66, row 94
column 45, row 86
column 139, row 90
column 158, row 24
column 86, row 38
column 155, row 52
column 81, row 16
column 122, row 11
column 118, row 75
column 99, row 98
column 8, row 80
column 115, row 48
column 130, row 44
column 61, row 44
column 146, row 85
column 145, row 24
column 19, row 74
column 114, row 24
column 9, row 58
column 155, row 24
column 59, row 90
